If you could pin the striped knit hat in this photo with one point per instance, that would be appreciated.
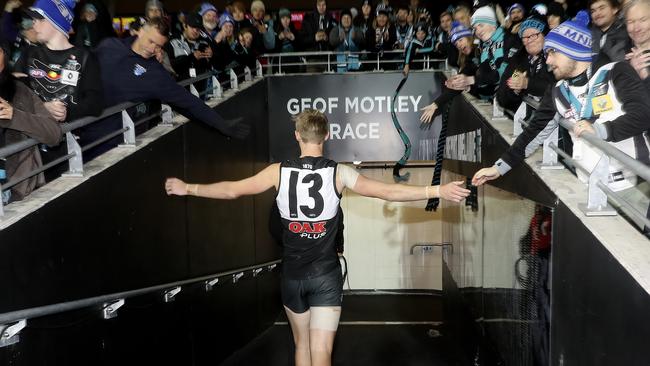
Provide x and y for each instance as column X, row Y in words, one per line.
column 516, row 6
column 458, row 31
column 58, row 12
column 484, row 15
column 572, row 38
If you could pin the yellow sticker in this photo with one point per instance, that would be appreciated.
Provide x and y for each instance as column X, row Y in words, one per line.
column 602, row 104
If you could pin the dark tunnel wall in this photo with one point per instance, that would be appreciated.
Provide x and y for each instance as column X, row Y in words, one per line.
column 118, row 231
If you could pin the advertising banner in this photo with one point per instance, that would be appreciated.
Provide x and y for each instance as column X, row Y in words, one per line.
column 358, row 107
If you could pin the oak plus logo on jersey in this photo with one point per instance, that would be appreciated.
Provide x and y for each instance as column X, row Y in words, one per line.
column 309, row 230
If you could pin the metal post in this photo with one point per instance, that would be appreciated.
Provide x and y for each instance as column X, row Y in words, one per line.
column 76, row 164
column 247, row 74
column 447, row 64
column 597, row 200
column 166, row 114
column 109, row 310
column 194, row 91
column 378, row 66
column 9, row 333
column 329, row 67
column 2, row 210
column 279, row 65
column 129, row 134
column 549, row 157
column 217, row 90
column 171, row 294
column 497, row 111
column 209, row 284
column 259, row 71
column 234, row 83
column 237, row 277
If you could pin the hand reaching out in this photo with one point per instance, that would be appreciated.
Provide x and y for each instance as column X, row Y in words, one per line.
column 484, row 175
column 454, row 191
column 428, row 113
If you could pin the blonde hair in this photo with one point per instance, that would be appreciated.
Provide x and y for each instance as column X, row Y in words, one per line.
column 257, row 4
column 312, row 126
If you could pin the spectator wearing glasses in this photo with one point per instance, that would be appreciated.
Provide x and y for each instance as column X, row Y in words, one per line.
column 601, row 97
column 608, row 30
column 527, row 73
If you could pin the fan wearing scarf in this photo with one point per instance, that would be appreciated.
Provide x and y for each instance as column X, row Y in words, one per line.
column 497, row 46
column 420, row 46
column 526, row 73
column 599, row 97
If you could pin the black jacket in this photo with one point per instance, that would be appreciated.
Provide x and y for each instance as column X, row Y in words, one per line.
column 539, row 79
column 310, row 26
column 630, row 91
column 615, row 41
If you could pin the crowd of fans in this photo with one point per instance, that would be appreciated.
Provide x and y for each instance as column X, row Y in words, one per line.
column 591, row 65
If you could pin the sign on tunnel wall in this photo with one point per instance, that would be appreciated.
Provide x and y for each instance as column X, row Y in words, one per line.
column 358, row 107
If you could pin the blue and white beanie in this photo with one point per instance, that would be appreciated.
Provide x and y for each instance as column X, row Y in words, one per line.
column 458, row 31
column 534, row 22
column 516, row 6
column 58, row 12
column 485, row 15
column 572, row 38
column 206, row 7
column 225, row 18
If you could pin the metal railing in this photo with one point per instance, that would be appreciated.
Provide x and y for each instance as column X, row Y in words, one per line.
column 75, row 152
column 12, row 323
column 329, row 59
column 599, row 194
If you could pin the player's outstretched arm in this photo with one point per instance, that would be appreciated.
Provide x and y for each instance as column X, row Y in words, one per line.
column 258, row 183
column 453, row 191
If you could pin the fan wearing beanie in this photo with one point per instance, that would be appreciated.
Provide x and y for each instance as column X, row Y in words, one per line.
column 64, row 76
column 526, row 73
column 497, row 46
column 468, row 60
column 346, row 37
column 599, row 97
column 516, row 13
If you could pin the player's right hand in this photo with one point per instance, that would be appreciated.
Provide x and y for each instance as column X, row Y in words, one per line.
column 484, row 175
column 454, row 191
